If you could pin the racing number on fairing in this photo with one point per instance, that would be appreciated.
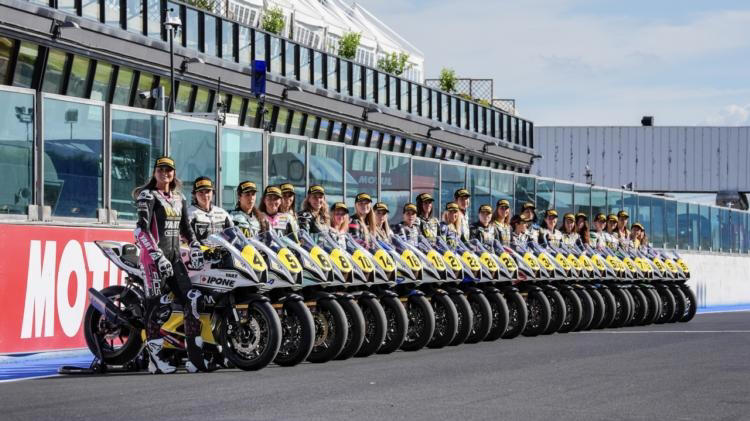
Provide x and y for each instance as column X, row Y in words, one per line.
column 507, row 261
column 547, row 263
column 363, row 261
column 320, row 258
column 659, row 264
column 411, row 260
column 385, row 261
column 289, row 260
column 489, row 261
column 252, row 256
column 531, row 261
column 452, row 260
column 471, row 261
column 435, row 259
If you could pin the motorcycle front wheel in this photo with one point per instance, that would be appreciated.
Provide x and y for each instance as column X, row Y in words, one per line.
column 499, row 311
column 641, row 309
column 465, row 318
column 587, row 306
column 482, row 312
column 446, row 320
column 397, row 323
column 118, row 344
column 330, row 330
column 253, row 341
column 623, row 309
column 599, row 308
column 558, row 311
column 539, row 313
column 667, row 305
column 421, row 323
column 517, row 314
column 376, row 325
column 691, row 302
column 610, row 308
column 680, row 303
column 355, row 334
column 573, row 311
column 298, row 333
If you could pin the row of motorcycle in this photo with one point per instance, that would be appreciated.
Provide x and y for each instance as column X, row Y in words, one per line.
column 276, row 299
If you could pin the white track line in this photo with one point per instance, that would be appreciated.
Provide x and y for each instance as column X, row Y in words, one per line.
column 28, row 378
column 666, row 331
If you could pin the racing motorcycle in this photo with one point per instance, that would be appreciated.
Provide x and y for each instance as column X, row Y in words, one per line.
column 238, row 321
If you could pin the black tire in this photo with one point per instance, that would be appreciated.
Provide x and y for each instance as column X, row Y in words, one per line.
column 518, row 314
column 597, row 308
column 330, row 330
column 421, row 323
column 465, row 319
column 691, row 304
column 482, row 313
column 446, row 320
column 657, row 299
column 680, row 303
column 653, row 305
column 622, row 307
column 254, row 344
column 499, row 311
column 610, row 308
column 558, row 312
column 375, row 326
column 397, row 324
column 641, row 308
column 539, row 313
column 355, row 331
column 298, row 333
column 96, row 329
column 573, row 311
column 629, row 295
column 667, row 305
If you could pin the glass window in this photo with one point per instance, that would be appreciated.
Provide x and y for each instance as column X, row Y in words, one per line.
column 276, row 54
column 245, row 44
column 425, row 176
column 524, row 191
column 174, row 10
column 629, row 203
column 137, row 140
column 336, row 131
column 344, row 77
column 297, row 121
column 670, row 223
column 164, row 82
column 563, row 198
column 614, row 201
column 73, row 137
column 332, row 77
column 201, row 100
column 282, row 119
column 694, row 226
column 683, row 225
column 102, row 81
column 251, row 117
column 90, row 9
column 392, row 92
column 470, row 116
column 414, row 98
column 583, row 199
column 16, row 151
column 289, row 58
column 598, row 202
column 123, row 86
column 361, row 174
column 145, row 84
column 725, row 230
column 395, row 175
column 326, row 169
column 182, row 100
column 134, row 15
column 287, row 163
column 25, row 63
column 434, row 106
column 241, row 159
column 304, row 65
column 480, row 120
column 79, row 74
column 424, row 109
column 53, row 73
column 545, row 194
column 260, row 45
column 382, row 88
column 348, row 133
column 6, row 49
column 193, row 147
column 452, row 178
column 444, row 108
column 227, row 40
column 209, row 35
column 502, row 187
column 370, row 85
column 643, row 214
column 67, row 6
column 310, row 127
column 479, row 187
column 153, row 18
column 404, row 92
column 356, row 80
column 112, row 13
column 656, row 232
column 191, row 28
column 318, row 69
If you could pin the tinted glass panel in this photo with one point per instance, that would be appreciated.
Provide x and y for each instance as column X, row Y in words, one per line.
column 78, row 80
column 73, row 137
column 356, row 81
column 227, row 40
column 344, row 77
column 67, row 6
column 134, row 15
column 90, row 9
column 193, row 147
column 123, row 86
column 598, row 202
column 6, row 48
column 137, row 140
column 382, row 90
column 102, row 81
column 643, row 215
column 425, row 179
column 53, row 82
column 245, row 45
column 563, row 198
column 614, row 201
column 241, row 159
column 705, row 227
column 297, row 127
column 182, row 101
column 304, row 64
column 16, row 151
column 332, row 73
column 683, row 225
column 362, row 174
column 201, row 100
column 479, row 187
column 260, row 46
column 112, row 12
column 326, row 169
column 209, row 35
column 153, row 18
column 287, row 163
column 145, row 84
column 318, row 69
column 545, row 194
column 26, row 60
column 725, row 230
column 453, row 177
column 395, row 174
column 583, row 200
column 370, row 85
column 276, row 54
column 629, row 203
column 502, row 188
column 656, row 234
column 524, row 191
column 191, row 29
column 670, row 223
column 289, row 57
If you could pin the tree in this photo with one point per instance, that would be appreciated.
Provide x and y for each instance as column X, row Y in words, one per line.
column 273, row 20
column 448, row 80
column 207, row 5
column 348, row 45
column 394, row 63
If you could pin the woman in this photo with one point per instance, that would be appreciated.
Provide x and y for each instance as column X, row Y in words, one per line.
column 622, row 232
column 245, row 215
column 483, row 229
column 528, row 211
column 314, row 217
column 340, row 223
column 408, row 228
column 279, row 222
column 549, row 234
column 162, row 219
column 610, row 236
column 638, row 236
column 451, row 227
column 582, row 228
column 569, row 235
column 501, row 221
column 362, row 225
column 519, row 236
column 598, row 238
column 382, row 228
column 205, row 218
column 288, row 199
column 428, row 224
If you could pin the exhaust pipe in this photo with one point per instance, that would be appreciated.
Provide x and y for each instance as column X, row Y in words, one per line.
column 106, row 307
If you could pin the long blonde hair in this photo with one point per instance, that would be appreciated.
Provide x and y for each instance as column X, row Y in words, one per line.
column 384, row 230
column 458, row 225
column 368, row 220
column 323, row 216
column 344, row 226
column 496, row 216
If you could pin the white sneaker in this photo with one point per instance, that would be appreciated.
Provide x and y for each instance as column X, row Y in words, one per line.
column 155, row 364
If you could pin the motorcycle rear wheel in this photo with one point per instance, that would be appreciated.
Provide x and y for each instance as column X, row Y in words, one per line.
column 610, row 308
column 355, row 333
column 667, row 305
column 421, row 323
column 681, row 303
column 641, row 308
column 539, row 313
column 465, row 319
column 499, row 315
column 255, row 342
column 597, row 315
column 330, row 330
column 573, row 311
column 623, row 309
column 482, row 317
column 96, row 329
column 653, row 305
column 558, row 312
column 298, row 334
column 398, row 322
column 446, row 320
column 375, row 326
column 517, row 314
column 692, row 304
column 587, row 304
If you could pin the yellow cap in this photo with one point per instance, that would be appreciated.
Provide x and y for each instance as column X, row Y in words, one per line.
column 316, row 189
column 164, row 161
column 451, row 206
column 551, row 212
column 380, row 206
column 425, row 197
column 623, row 214
column 362, row 197
column 569, row 216
column 247, row 186
column 410, row 207
column 503, row 203
column 485, row 208
column 461, row 193
column 287, row 188
column 272, row 191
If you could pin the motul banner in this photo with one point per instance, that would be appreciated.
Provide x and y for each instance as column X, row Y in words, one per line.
column 44, row 275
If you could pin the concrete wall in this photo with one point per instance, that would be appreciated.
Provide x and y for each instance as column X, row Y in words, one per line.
column 719, row 280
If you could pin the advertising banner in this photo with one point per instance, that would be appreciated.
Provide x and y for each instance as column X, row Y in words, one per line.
column 45, row 273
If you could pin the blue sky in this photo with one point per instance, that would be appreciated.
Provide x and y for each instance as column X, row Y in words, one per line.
column 586, row 62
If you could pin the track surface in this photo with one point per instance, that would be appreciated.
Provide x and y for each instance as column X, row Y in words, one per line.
column 699, row 370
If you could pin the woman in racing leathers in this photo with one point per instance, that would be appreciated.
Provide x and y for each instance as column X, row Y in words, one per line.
column 314, row 217
column 205, row 218
column 483, row 229
column 382, row 228
column 162, row 219
column 245, row 215
column 533, row 231
column 340, row 223
column 568, row 230
column 408, row 228
column 549, row 234
column 288, row 199
column 582, row 228
column 519, row 235
column 362, row 224
column 428, row 224
column 279, row 222
column 450, row 228
column 501, row 221
column 638, row 236
column 599, row 235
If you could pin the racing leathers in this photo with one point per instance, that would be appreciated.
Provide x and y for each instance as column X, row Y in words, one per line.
column 207, row 222
column 571, row 239
column 598, row 239
column 282, row 224
column 552, row 236
column 485, row 234
column 310, row 223
column 465, row 233
column 502, row 232
column 361, row 233
column 162, row 219
column 533, row 232
column 430, row 228
column 410, row 234
column 247, row 222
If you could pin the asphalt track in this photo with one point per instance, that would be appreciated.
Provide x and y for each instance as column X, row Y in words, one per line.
column 699, row 370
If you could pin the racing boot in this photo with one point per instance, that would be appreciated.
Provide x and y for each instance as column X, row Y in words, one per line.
column 157, row 365
column 193, row 340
